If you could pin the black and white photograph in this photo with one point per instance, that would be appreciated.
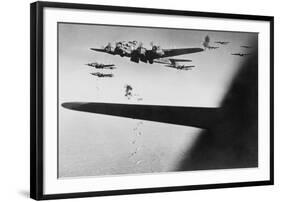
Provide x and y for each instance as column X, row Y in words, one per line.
column 131, row 100
column 141, row 100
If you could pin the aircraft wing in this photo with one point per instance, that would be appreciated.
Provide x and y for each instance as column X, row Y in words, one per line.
column 101, row 50
column 98, row 49
column 179, row 51
column 201, row 117
column 173, row 61
column 109, row 65
column 127, row 54
column 188, row 67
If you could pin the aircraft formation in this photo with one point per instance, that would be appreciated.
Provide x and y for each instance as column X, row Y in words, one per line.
column 242, row 54
column 101, row 66
column 97, row 65
column 137, row 53
column 207, row 41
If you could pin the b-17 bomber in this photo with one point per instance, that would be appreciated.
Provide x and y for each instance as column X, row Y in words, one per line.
column 98, row 74
column 173, row 63
column 240, row 54
column 181, row 67
column 245, row 46
column 101, row 66
column 222, row 42
column 137, row 52
column 212, row 47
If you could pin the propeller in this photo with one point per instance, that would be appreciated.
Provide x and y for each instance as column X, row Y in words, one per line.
column 108, row 46
column 154, row 47
column 117, row 42
column 140, row 45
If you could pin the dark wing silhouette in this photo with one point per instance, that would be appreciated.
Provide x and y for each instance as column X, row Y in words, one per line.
column 99, row 50
column 179, row 51
column 201, row 117
column 102, row 50
column 112, row 65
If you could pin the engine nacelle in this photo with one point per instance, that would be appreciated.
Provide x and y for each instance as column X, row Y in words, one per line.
column 150, row 55
column 119, row 51
column 157, row 51
column 135, row 57
column 143, row 58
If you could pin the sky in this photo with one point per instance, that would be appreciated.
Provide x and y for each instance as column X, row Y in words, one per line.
column 98, row 145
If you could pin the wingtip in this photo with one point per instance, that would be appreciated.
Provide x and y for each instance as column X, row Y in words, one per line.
column 200, row 49
column 67, row 105
column 72, row 105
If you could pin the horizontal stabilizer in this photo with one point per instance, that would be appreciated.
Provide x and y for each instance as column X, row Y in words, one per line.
column 179, row 60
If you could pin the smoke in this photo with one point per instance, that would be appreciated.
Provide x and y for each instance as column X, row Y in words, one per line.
column 206, row 42
column 128, row 91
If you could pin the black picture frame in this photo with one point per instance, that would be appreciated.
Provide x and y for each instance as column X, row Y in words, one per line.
column 36, row 98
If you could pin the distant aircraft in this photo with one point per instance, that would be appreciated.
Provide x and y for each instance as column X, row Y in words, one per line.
column 212, row 47
column 101, row 66
column 222, row 42
column 174, row 63
column 201, row 117
column 246, row 46
column 241, row 54
column 136, row 52
column 181, row 67
column 98, row 74
column 206, row 43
